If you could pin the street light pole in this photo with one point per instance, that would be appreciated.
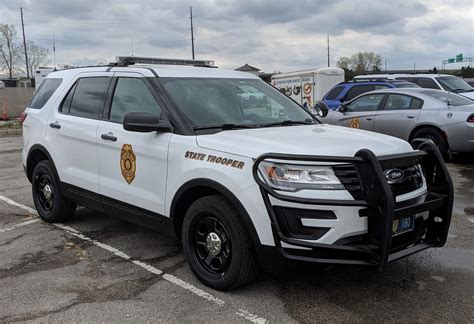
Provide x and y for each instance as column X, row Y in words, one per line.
column 24, row 44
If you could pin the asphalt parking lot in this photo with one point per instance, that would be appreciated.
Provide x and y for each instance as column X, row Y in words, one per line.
column 99, row 269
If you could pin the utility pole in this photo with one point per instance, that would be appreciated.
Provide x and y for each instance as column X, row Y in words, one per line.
column 54, row 53
column 24, row 43
column 328, row 52
column 385, row 64
column 192, row 29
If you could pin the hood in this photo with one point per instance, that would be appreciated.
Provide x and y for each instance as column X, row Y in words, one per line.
column 318, row 139
column 469, row 94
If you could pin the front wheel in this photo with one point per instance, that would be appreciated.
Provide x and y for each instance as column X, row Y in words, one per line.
column 217, row 245
column 436, row 137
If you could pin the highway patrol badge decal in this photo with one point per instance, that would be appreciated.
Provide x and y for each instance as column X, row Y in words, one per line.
column 128, row 163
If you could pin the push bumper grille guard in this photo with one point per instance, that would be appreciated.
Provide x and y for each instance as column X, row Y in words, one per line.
column 380, row 203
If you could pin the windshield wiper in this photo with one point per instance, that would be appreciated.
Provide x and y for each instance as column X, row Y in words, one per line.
column 460, row 90
column 224, row 126
column 289, row 122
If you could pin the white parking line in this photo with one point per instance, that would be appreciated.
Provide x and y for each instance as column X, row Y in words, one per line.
column 8, row 229
column 168, row 277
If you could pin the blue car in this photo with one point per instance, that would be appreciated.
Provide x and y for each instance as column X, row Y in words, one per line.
column 346, row 91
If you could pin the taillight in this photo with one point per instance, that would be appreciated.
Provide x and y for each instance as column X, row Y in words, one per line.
column 23, row 117
column 470, row 119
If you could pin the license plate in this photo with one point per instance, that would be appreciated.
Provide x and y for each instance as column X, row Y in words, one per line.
column 403, row 225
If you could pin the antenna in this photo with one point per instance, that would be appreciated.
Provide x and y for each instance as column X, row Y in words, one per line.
column 192, row 29
column 328, row 52
column 24, row 44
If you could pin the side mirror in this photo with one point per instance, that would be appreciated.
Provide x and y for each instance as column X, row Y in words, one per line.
column 145, row 122
column 321, row 109
column 343, row 107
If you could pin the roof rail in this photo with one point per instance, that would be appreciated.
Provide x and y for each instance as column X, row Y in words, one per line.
column 130, row 60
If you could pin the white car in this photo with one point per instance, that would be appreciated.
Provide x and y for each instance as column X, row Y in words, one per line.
column 432, row 81
column 2, row 84
column 171, row 148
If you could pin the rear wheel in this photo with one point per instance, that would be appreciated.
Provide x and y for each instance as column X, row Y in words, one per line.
column 50, row 203
column 217, row 245
column 436, row 136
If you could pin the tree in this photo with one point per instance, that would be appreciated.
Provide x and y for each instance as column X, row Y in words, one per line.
column 37, row 56
column 361, row 63
column 9, row 48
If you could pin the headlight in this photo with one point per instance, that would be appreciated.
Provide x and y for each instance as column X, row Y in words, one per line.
column 293, row 177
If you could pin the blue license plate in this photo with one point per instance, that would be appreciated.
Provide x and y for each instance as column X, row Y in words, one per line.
column 403, row 225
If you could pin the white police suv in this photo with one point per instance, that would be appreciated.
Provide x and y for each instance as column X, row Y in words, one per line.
column 246, row 181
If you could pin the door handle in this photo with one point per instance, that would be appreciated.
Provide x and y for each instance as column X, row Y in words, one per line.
column 109, row 137
column 411, row 116
column 55, row 125
column 368, row 118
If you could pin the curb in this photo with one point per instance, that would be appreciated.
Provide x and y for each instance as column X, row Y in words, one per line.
column 10, row 132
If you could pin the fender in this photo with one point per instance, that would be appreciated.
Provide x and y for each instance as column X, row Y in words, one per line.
column 39, row 147
column 203, row 182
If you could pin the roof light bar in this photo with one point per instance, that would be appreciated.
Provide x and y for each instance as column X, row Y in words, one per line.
column 167, row 61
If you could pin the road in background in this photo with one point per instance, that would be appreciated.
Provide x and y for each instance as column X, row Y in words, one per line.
column 51, row 274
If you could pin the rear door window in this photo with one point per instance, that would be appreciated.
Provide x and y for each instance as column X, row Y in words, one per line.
column 334, row 93
column 87, row 99
column 45, row 91
column 427, row 83
column 401, row 102
column 358, row 90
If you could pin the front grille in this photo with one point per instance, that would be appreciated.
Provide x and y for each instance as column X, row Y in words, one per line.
column 349, row 177
column 411, row 181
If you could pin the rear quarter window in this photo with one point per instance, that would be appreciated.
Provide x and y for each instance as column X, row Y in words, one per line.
column 45, row 91
column 334, row 93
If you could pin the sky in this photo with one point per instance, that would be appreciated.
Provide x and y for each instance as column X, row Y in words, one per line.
column 279, row 35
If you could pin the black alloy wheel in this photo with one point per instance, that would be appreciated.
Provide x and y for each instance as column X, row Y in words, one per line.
column 212, row 246
column 50, row 202
column 45, row 188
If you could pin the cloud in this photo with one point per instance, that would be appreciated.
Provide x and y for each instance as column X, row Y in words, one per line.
column 279, row 35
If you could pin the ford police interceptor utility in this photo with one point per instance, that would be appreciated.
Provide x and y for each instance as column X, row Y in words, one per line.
column 244, row 183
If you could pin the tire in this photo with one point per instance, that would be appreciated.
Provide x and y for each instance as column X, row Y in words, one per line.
column 436, row 136
column 50, row 203
column 217, row 245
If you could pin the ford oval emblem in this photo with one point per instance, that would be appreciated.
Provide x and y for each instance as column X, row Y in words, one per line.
column 394, row 175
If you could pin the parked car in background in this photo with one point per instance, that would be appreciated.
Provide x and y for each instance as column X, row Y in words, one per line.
column 2, row 84
column 346, row 91
column 469, row 81
column 432, row 81
column 443, row 117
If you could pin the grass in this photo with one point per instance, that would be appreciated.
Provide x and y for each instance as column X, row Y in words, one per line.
column 13, row 124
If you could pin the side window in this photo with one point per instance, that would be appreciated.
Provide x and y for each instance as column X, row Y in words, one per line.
column 409, row 79
column 334, row 93
column 398, row 102
column 44, row 92
column 132, row 95
column 366, row 103
column 380, row 86
column 427, row 83
column 358, row 90
column 416, row 103
column 88, row 97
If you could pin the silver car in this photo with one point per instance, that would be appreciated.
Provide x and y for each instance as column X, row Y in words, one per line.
column 444, row 117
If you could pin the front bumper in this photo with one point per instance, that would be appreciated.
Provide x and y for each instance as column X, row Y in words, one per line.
column 378, row 246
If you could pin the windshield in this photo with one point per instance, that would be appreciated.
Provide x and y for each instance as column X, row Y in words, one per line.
column 214, row 102
column 454, row 84
column 453, row 99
